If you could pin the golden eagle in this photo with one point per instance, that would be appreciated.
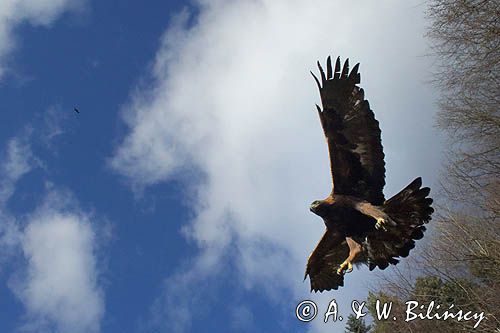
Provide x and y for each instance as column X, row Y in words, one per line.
column 361, row 226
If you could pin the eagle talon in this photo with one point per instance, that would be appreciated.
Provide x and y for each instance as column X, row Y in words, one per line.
column 380, row 225
column 345, row 266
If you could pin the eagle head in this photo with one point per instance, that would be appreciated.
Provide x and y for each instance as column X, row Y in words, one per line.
column 318, row 207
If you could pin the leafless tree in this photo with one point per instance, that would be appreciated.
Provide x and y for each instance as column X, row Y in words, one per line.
column 462, row 262
column 465, row 35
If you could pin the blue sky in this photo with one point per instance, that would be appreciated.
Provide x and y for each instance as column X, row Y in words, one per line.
column 177, row 199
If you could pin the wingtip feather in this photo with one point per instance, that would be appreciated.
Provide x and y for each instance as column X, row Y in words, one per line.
column 316, row 79
column 345, row 69
column 354, row 75
column 329, row 67
column 322, row 72
column 337, row 68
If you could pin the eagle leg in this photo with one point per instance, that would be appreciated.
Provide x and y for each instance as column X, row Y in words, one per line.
column 354, row 250
column 376, row 213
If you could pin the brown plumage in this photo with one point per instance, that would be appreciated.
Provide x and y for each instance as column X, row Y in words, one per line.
column 361, row 226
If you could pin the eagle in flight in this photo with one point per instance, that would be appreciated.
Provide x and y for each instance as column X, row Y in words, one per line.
column 361, row 226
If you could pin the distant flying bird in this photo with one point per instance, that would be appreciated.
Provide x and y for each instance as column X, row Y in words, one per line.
column 76, row 110
column 361, row 226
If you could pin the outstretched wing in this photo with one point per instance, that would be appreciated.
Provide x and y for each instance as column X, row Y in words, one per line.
column 352, row 134
column 324, row 261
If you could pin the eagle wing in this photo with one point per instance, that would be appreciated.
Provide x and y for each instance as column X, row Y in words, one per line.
column 323, row 262
column 352, row 133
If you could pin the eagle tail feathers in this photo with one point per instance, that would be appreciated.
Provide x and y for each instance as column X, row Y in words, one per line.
column 411, row 210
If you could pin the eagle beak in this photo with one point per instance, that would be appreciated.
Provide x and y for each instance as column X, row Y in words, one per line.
column 313, row 207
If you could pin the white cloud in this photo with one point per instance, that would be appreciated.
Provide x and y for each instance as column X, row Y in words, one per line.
column 35, row 12
column 16, row 161
column 232, row 97
column 53, row 119
column 58, row 280
column 59, row 287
